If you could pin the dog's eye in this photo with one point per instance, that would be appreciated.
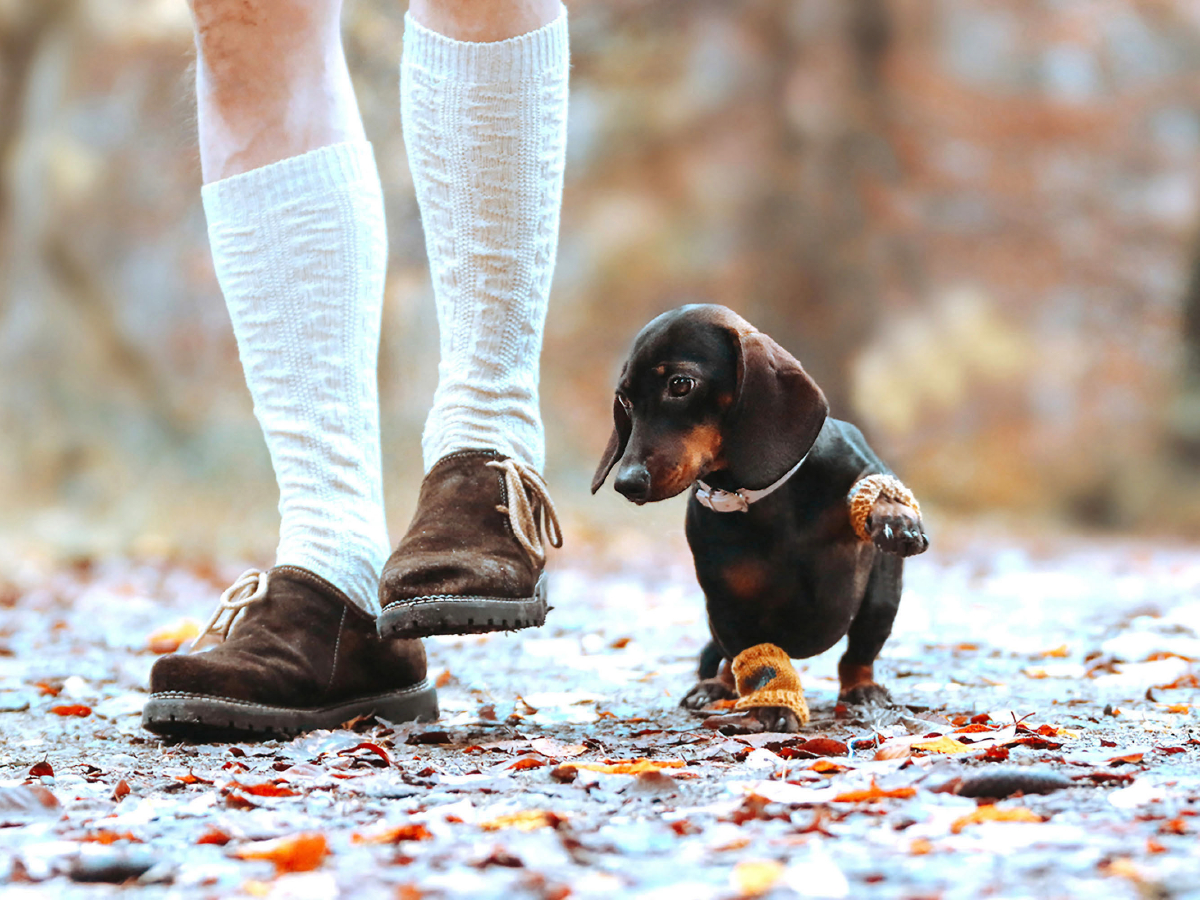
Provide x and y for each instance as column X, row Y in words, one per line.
column 680, row 385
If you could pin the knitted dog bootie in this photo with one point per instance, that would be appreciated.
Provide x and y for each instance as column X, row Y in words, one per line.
column 765, row 678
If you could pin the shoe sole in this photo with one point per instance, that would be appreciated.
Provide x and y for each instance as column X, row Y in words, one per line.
column 198, row 716
column 442, row 614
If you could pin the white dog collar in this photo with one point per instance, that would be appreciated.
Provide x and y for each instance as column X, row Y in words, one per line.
column 739, row 501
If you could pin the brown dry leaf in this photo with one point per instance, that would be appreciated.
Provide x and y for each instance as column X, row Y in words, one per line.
column 443, row 679
column 874, row 792
column 754, row 877
column 121, row 790
column 1178, row 708
column 990, row 813
column 620, row 643
column 374, row 748
column 109, row 837
column 171, row 637
column 24, row 802
column 411, row 831
column 556, row 749
column 920, row 847
column 192, row 778
column 47, row 689
column 1130, row 758
column 525, row 820
column 215, row 835
column 1059, row 652
column 943, row 744
column 41, row 769
column 975, row 728
column 894, row 750
column 823, row 746
column 296, row 853
column 72, row 709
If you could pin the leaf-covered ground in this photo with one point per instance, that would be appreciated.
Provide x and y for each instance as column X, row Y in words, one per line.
column 562, row 767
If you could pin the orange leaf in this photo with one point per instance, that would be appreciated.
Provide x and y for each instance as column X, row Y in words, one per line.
column 297, row 853
column 1059, row 652
column 41, row 770
column 121, row 790
column 874, row 792
column 620, row 643
column 628, row 766
column 169, row 638
column 412, row 831
column 828, row 766
column 214, row 835
column 74, row 709
column 1126, row 758
column 528, row 762
column 920, row 847
column 1183, row 708
column 990, row 813
column 110, row 837
column 443, row 679
column 267, row 789
column 46, row 689
column 192, row 778
column 973, row 729
column 525, row 820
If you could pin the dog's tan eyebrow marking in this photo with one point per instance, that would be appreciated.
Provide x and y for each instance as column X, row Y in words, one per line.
column 660, row 369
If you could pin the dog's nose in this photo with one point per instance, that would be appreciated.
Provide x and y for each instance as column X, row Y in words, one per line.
column 633, row 482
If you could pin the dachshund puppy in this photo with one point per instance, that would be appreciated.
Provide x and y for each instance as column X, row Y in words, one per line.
column 795, row 544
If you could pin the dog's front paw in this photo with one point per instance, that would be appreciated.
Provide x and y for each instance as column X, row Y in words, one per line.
column 756, row 721
column 896, row 528
column 869, row 693
column 710, row 690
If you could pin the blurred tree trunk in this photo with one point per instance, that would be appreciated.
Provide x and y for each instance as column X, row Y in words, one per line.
column 819, row 283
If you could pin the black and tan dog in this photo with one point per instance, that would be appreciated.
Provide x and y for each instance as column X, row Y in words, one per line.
column 797, row 528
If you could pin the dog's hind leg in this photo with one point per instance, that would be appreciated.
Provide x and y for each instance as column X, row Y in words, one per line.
column 868, row 633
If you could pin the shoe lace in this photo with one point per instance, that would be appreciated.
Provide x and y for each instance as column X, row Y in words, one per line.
column 526, row 515
column 251, row 585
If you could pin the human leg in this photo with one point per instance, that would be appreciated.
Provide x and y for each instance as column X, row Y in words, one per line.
column 484, row 109
column 299, row 245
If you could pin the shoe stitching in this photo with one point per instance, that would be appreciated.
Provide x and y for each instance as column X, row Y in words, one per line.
column 421, row 687
column 455, row 598
column 336, row 645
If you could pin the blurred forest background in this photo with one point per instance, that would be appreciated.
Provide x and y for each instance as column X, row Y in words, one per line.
column 975, row 222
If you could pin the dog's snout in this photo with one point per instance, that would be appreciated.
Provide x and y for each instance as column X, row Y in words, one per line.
column 633, row 482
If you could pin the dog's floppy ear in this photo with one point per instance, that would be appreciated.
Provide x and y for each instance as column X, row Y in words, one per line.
column 777, row 411
column 622, row 425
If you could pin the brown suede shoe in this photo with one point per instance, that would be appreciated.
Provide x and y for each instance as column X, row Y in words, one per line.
column 473, row 556
column 303, row 656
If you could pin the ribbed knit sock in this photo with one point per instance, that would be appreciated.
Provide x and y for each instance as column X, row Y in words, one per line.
column 485, row 129
column 300, row 250
column 765, row 676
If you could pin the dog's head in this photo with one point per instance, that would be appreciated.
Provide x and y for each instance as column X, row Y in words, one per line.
column 704, row 392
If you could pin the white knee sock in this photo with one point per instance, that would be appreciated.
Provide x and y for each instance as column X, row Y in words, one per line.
column 300, row 249
column 485, row 129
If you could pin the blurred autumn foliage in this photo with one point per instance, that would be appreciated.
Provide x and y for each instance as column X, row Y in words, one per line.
column 974, row 222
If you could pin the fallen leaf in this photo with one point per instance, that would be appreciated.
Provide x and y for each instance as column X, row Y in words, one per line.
column 73, row 709
column 41, row 769
column 443, row 679
column 192, row 778
column 920, row 847
column 266, row 789
column 171, row 637
column 121, row 790
column 214, row 835
column 556, row 749
column 528, row 762
column 754, row 877
column 297, row 853
column 47, row 689
column 874, row 792
column 943, row 744
column 412, row 831
column 1153, row 846
column 1178, row 708
column 1059, row 652
column 109, row 837
column 822, row 746
column 627, row 766
column 990, row 813
column 525, row 820
column 25, row 802
column 828, row 767
column 372, row 747
column 620, row 643
column 1126, row 758
column 1173, row 826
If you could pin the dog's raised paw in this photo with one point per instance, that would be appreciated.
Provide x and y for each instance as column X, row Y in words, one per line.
column 896, row 528
column 867, row 694
column 710, row 690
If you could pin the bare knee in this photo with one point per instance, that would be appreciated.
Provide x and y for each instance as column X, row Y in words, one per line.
column 248, row 43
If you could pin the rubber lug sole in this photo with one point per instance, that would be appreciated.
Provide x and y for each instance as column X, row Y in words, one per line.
column 426, row 616
column 200, row 717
